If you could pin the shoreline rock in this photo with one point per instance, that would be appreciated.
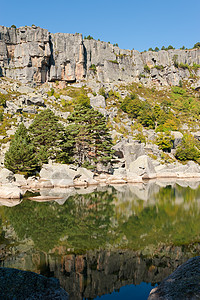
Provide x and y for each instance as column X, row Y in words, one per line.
column 183, row 283
column 17, row 284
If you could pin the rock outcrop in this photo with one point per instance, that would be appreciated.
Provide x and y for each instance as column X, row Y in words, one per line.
column 17, row 284
column 181, row 284
column 32, row 54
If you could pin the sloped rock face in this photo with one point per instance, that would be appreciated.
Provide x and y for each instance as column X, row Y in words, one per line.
column 17, row 284
column 32, row 54
column 183, row 283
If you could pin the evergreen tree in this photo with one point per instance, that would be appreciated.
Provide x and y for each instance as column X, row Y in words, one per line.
column 46, row 133
column 20, row 157
column 88, row 137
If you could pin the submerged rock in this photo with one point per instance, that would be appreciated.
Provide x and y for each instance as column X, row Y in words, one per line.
column 183, row 283
column 17, row 284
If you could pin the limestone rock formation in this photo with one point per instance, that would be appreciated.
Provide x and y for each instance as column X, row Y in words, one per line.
column 32, row 54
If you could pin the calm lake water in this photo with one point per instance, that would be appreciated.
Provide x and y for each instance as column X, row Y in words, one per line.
column 104, row 242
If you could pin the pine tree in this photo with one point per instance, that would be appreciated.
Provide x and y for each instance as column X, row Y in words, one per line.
column 89, row 137
column 46, row 133
column 20, row 157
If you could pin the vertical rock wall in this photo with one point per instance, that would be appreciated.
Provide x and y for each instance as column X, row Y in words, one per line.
column 32, row 54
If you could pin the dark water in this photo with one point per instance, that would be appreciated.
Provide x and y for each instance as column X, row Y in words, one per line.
column 105, row 242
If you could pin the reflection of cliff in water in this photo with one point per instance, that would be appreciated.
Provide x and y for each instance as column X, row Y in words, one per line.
column 156, row 225
column 101, row 272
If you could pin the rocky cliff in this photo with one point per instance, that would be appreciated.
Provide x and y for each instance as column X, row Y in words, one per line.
column 32, row 54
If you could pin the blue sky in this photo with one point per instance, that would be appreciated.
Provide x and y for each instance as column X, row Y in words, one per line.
column 132, row 24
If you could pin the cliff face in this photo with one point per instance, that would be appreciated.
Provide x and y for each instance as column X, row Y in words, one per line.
column 32, row 54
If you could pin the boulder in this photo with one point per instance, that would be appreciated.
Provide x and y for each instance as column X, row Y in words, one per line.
column 86, row 174
column 25, row 90
column 133, row 177
column 17, row 284
column 6, row 176
column 132, row 151
column 98, row 102
column 20, row 180
column 143, row 166
column 177, row 138
column 38, row 101
column 57, row 171
column 183, row 283
column 66, row 98
column 10, row 191
column 63, row 183
column 12, row 107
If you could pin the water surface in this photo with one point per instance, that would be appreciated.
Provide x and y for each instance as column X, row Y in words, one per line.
column 108, row 242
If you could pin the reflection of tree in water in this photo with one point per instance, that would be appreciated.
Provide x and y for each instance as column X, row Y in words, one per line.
column 91, row 221
column 83, row 222
column 173, row 219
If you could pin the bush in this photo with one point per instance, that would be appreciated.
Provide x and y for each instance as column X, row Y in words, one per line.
column 178, row 90
column 184, row 66
column 89, row 37
column 197, row 45
column 159, row 67
column 13, row 26
column 188, row 149
column 175, row 61
column 93, row 68
column 170, row 47
column 102, row 92
column 146, row 68
column 165, row 142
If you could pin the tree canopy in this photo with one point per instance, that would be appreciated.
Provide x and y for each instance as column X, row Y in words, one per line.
column 89, row 136
column 20, row 157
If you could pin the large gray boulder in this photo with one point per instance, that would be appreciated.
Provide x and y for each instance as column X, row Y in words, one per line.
column 183, row 283
column 143, row 166
column 6, row 176
column 98, row 102
column 10, row 191
column 36, row 100
column 19, row 285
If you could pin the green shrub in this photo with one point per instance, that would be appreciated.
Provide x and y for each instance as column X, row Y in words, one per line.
column 13, row 26
column 170, row 47
column 178, row 90
column 89, row 37
column 102, row 92
column 165, row 141
column 184, row 66
column 197, row 45
column 114, row 61
column 1, row 116
column 146, row 68
column 188, row 149
column 175, row 61
column 159, row 67
column 93, row 68
column 195, row 67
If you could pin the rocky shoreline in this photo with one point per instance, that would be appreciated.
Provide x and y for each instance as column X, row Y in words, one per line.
column 14, row 186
